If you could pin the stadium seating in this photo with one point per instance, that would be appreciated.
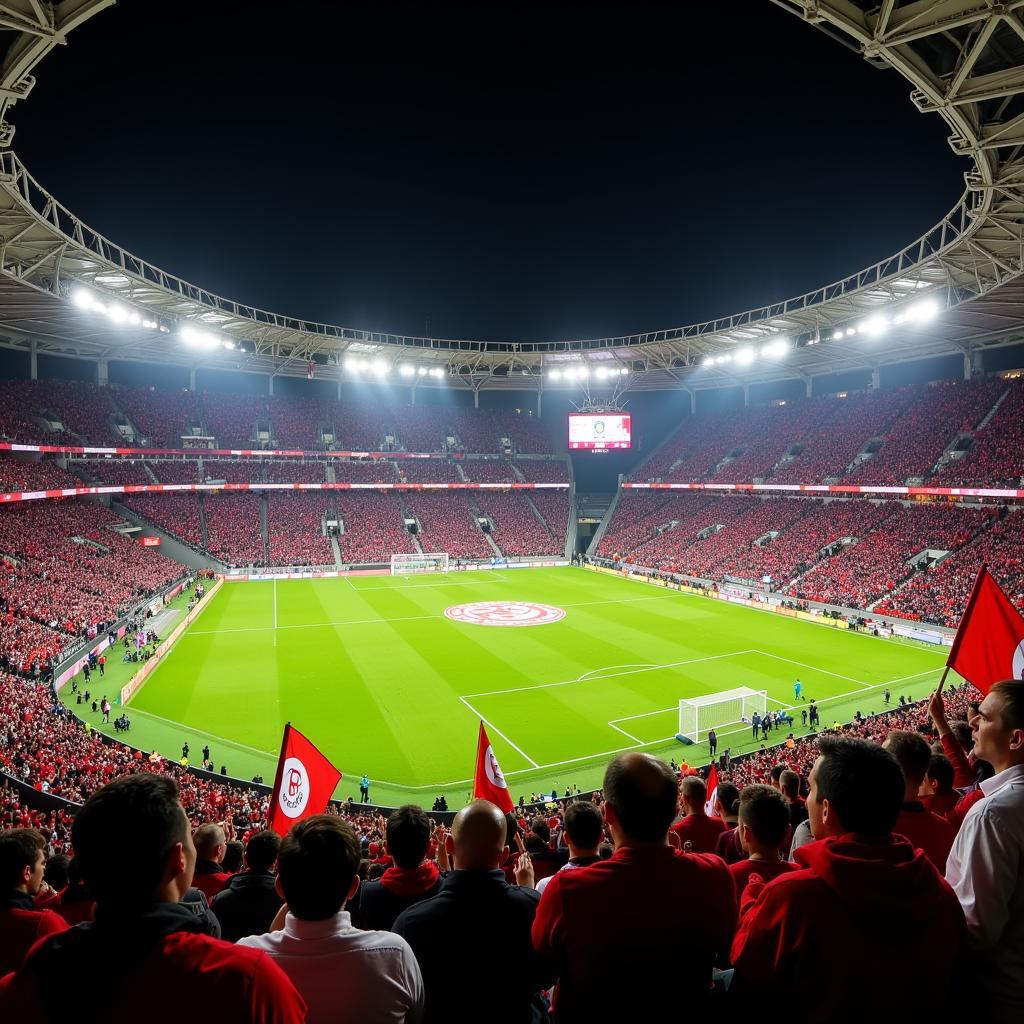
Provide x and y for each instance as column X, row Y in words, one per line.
column 233, row 528
column 374, row 471
column 554, row 506
column 447, row 524
column 168, row 471
column 489, row 471
column 295, row 530
column 176, row 514
column 864, row 572
column 996, row 456
column 373, row 526
column 26, row 475
column 232, row 419
column 428, row 471
column 112, row 471
column 72, row 573
column 161, row 416
column 517, row 530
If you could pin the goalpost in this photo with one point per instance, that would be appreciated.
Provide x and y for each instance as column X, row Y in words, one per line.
column 714, row 710
column 407, row 564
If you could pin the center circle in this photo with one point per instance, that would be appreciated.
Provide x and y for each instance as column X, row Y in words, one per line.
column 505, row 613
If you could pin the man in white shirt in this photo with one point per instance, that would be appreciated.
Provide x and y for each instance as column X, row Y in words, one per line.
column 344, row 974
column 984, row 866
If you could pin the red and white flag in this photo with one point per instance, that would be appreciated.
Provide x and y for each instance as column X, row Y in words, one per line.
column 989, row 645
column 309, row 369
column 304, row 784
column 489, row 781
column 712, row 785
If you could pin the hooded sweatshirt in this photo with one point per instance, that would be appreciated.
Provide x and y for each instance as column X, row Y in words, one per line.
column 161, row 957
column 856, row 910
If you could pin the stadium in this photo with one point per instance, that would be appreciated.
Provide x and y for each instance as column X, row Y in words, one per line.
column 731, row 547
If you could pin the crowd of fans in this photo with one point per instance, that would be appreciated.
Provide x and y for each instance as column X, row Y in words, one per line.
column 447, row 523
column 234, row 533
column 177, row 514
column 68, row 573
column 372, row 526
column 30, row 475
column 996, row 455
column 846, row 552
column 295, row 526
column 811, row 868
column 517, row 529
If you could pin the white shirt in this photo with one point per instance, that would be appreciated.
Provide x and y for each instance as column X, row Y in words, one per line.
column 986, row 870
column 346, row 974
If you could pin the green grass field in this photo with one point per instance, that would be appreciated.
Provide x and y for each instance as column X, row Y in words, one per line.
column 373, row 672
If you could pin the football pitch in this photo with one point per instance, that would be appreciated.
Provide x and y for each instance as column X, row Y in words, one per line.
column 375, row 673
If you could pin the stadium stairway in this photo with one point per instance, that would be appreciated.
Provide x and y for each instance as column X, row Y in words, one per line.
column 264, row 529
column 590, row 506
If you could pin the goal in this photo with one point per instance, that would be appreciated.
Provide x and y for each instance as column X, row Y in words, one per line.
column 406, row 564
column 714, row 710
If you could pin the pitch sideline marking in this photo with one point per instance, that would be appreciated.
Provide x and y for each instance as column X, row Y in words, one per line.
column 492, row 726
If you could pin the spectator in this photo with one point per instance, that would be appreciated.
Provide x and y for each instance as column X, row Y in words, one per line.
column 789, row 787
column 141, row 929
column 584, row 832
column 696, row 827
column 984, row 866
column 648, row 889
column 344, row 973
column 74, row 903
column 249, row 901
column 211, row 845
column 411, row 879
column 937, row 792
column 482, row 924
column 728, row 846
column 925, row 830
column 22, row 923
column 764, row 831
column 869, row 892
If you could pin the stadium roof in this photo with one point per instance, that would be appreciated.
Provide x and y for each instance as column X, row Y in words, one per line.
column 67, row 290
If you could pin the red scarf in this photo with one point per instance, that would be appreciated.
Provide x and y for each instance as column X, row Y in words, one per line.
column 411, row 881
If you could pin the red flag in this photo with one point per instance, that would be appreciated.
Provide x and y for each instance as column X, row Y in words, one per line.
column 309, row 369
column 304, row 783
column 989, row 645
column 489, row 782
column 712, row 785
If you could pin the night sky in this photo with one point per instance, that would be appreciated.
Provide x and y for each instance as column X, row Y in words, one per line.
column 532, row 172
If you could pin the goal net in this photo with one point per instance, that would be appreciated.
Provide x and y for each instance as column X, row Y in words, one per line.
column 715, row 710
column 407, row 564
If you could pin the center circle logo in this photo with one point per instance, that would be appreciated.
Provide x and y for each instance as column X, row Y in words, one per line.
column 294, row 792
column 505, row 613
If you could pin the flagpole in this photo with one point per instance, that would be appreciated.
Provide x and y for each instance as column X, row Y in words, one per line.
column 280, row 767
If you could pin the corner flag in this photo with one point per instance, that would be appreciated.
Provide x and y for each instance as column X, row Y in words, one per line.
column 989, row 644
column 488, row 781
column 304, row 783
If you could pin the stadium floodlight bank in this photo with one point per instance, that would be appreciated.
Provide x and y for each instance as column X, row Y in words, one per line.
column 406, row 565
column 718, row 710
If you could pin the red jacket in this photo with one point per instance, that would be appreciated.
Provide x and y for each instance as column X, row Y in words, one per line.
column 658, row 915
column 156, row 977
column 853, row 908
column 209, row 879
column 701, row 830
column 20, row 929
column 928, row 832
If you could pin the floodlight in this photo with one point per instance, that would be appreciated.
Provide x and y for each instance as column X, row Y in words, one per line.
column 923, row 311
column 406, row 370
column 601, row 373
column 837, row 335
column 555, row 375
column 745, row 356
column 229, row 344
column 421, row 371
column 710, row 361
column 379, row 367
column 81, row 298
column 351, row 365
column 875, row 325
column 624, row 371
column 851, row 331
column 723, row 359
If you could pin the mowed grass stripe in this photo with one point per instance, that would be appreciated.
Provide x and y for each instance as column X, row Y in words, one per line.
column 375, row 675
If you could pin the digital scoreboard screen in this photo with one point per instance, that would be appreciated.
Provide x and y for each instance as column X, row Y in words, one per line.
column 599, row 431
